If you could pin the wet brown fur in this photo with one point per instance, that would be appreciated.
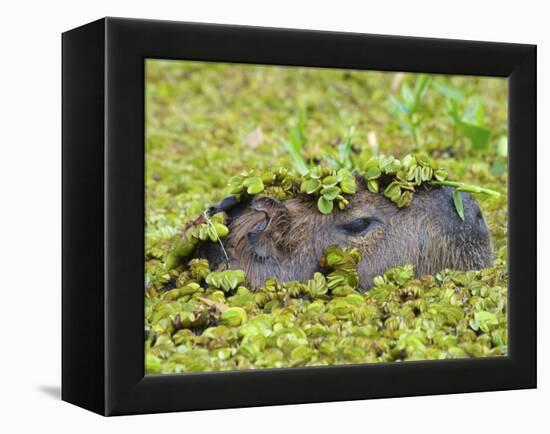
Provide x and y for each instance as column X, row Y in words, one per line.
column 286, row 240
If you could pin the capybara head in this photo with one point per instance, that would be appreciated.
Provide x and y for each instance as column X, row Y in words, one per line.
column 286, row 239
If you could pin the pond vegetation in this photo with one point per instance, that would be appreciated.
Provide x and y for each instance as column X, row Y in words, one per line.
column 217, row 129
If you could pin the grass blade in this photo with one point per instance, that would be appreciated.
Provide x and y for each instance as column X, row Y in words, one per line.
column 457, row 199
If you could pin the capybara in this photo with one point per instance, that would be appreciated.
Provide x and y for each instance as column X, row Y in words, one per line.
column 286, row 239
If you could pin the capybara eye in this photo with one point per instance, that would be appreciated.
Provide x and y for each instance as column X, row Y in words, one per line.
column 357, row 226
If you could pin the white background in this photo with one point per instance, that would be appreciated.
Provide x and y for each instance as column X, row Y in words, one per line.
column 30, row 215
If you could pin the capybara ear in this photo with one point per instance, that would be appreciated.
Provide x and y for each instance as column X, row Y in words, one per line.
column 225, row 205
column 268, row 238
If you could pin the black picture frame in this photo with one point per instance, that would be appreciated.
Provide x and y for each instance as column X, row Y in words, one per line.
column 103, row 215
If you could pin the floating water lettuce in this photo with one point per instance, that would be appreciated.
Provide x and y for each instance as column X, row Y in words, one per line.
column 325, row 321
column 193, row 148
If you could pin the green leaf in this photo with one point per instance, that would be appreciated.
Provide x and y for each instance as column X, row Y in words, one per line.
column 423, row 159
column 399, row 106
column 191, row 288
column 393, row 191
column 480, row 137
column 448, row 91
column 185, row 247
column 172, row 261
column 373, row 186
column 459, row 206
column 324, row 205
column 373, row 172
column 418, row 175
column 405, row 199
column 299, row 162
column 348, row 185
column 454, row 110
column 345, row 149
column 389, row 165
column 268, row 178
column 474, row 113
column 421, row 86
column 330, row 193
column 408, row 161
column 427, row 173
column 330, row 181
column 254, row 185
column 407, row 95
column 211, row 231
column 379, row 281
column 498, row 168
column 411, row 174
column 317, row 286
column 226, row 280
column 315, row 173
column 235, row 277
column 469, row 188
column 153, row 364
column 297, row 141
column 502, row 146
column 235, row 185
column 234, row 316
column 485, row 320
column 221, row 230
column 310, row 186
column 440, row 174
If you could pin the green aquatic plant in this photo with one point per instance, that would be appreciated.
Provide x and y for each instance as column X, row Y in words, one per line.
column 193, row 147
column 396, row 179
column 226, row 280
column 280, row 183
column 466, row 119
column 468, row 188
column 407, row 106
column 201, row 229
column 341, row 264
column 296, row 142
column 328, row 186
column 217, row 323
column 399, row 178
